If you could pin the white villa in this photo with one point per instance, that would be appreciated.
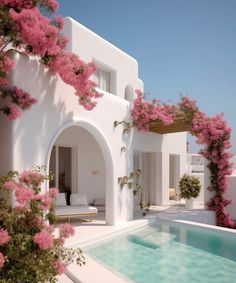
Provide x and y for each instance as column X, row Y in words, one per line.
column 83, row 149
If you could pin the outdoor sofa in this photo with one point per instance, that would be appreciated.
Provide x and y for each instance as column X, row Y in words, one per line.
column 78, row 207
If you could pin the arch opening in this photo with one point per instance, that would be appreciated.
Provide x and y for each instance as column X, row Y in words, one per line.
column 81, row 162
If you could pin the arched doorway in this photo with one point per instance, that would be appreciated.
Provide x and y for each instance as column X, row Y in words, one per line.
column 81, row 161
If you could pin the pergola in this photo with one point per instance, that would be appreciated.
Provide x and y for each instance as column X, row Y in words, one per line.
column 180, row 124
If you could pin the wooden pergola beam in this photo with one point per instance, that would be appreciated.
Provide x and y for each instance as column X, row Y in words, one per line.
column 181, row 124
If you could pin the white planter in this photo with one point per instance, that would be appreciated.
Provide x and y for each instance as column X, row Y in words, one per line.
column 189, row 203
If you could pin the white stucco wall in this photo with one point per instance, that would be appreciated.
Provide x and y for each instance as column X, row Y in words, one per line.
column 92, row 47
column 231, row 194
column 29, row 140
column 163, row 146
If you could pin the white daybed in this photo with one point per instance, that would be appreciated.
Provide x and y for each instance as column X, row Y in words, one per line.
column 78, row 207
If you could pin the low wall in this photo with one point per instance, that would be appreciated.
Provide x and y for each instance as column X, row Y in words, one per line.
column 231, row 194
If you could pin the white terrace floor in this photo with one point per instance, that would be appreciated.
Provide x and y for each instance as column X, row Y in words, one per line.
column 89, row 232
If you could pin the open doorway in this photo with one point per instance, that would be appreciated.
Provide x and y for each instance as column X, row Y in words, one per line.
column 60, row 166
column 174, row 176
column 78, row 166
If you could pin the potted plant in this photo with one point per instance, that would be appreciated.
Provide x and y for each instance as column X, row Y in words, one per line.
column 189, row 188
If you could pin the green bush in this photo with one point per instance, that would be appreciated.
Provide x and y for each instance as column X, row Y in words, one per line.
column 189, row 187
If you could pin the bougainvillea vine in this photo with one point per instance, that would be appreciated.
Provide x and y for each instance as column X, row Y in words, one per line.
column 212, row 132
column 24, row 28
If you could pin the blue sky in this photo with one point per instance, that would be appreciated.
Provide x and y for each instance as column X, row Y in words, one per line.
column 183, row 47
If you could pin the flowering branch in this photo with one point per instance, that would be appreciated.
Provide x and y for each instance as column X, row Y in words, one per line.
column 212, row 132
column 23, row 25
column 143, row 113
column 29, row 249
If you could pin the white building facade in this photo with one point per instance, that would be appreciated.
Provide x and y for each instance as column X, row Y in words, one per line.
column 86, row 153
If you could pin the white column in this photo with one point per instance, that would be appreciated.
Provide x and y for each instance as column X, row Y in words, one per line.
column 130, row 196
column 162, row 178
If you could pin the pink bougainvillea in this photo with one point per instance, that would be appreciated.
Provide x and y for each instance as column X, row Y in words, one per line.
column 53, row 192
column 22, row 98
column 4, row 237
column 31, row 177
column 27, row 29
column 12, row 111
column 2, row 260
column 66, row 230
column 18, row 5
column 143, row 113
column 45, row 201
column 27, row 233
column 23, row 195
column 76, row 73
column 37, row 32
column 19, row 100
column 44, row 240
column 59, row 266
column 213, row 132
column 10, row 185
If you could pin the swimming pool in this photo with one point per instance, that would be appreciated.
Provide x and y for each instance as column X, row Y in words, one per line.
column 166, row 253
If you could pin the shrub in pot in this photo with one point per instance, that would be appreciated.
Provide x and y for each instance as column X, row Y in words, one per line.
column 189, row 187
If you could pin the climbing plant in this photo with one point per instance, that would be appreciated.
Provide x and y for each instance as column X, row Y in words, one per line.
column 132, row 181
column 24, row 27
column 212, row 132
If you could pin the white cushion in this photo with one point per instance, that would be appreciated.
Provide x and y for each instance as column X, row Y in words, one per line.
column 78, row 199
column 75, row 210
column 61, row 200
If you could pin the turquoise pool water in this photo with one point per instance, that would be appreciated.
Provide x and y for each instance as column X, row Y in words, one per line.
column 168, row 254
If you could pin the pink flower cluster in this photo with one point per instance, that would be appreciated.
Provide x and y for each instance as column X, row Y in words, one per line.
column 45, row 201
column 65, row 231
column 76, row 73
column 19, row 98
column 6, row 65
column 37, row 32
column 211, row 129
column 10, row 185
column 4, row 237
column 188, row 105
column 22, row 98
column 143, row 113
column 44, row 240
column 24, row 195
column 12, row 111
column 24, row 190
column 30, row 177
column 53, row 192
column 52, row 5
column 2, row 260
column 59, row 266
column 18, row 5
